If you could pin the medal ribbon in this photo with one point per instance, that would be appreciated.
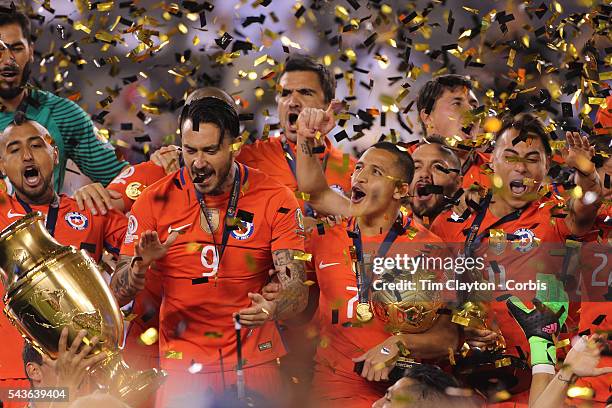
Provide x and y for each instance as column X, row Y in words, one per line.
column 52, row 212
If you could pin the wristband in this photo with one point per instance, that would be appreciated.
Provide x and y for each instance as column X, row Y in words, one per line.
column 542, row 351
column 543, row 369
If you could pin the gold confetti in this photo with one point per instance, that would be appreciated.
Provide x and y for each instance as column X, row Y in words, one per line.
column 308, row 283
column 563, row 343
column 213, row 334
column 302, row 256
column 492, row 124
column 174, row 355
column 504, row 362
column 260, row 60
column 149, row 336
column 302, row 196
column 501, row 395
column 580, row 392
column 511, row 57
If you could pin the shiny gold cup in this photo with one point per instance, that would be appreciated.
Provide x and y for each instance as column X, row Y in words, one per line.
column 49, row 287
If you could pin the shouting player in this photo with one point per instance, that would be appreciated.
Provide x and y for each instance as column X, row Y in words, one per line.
column 215, row 229
column 349, row 335
column 525, row 225
column 28, row 159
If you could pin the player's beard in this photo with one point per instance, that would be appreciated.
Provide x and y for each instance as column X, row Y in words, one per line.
column 13, row 92
column 429, row 211
column 43, row 194
column 224, row 174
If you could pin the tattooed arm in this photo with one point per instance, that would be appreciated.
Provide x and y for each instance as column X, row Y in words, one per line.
column 129, row 276
column 291, row 274
column 289, row 297
column 127, row 280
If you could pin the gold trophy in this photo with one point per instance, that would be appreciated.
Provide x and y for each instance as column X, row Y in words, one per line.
column 50, row 286
column 405, row 311
column 488, row 370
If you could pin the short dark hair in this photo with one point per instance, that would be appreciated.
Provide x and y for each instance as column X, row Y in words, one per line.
column 215, row 111
column 13, row 16
column 299, row 62
column 431, row 384
column 403, row 159
column 434, row 88
column 30, row 355
column 442, row 145
column 527, row 125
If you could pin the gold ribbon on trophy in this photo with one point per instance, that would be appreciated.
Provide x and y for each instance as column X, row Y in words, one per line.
column 50, row 286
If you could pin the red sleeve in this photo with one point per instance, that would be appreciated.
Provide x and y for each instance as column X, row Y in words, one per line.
column 115, row 225
column 247, row 156
column 145, row 174
column 141, row 219
column 287, row 221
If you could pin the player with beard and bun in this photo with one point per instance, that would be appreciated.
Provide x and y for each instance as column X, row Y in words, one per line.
column 215, row 230
column 27, row 158
column 70, row 126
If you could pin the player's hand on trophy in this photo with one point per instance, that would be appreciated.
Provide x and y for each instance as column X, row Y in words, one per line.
column 378, row 361
column 481, row 338
column 260, row 311
column 167, row 157
column 312, row 120
column 97, row 199
column 72, row 362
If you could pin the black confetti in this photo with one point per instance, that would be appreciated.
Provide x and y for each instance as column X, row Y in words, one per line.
column 245, row 216
column 598, row 320
column 567, row 110
column 334, row 316
column 198, row 281
column 143, row 138
column 284, row 210
column 224, row 41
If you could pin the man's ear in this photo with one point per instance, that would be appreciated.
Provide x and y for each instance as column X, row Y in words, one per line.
column 55, row 156
column 402, row 190
column 34, row 372
column 426, row 119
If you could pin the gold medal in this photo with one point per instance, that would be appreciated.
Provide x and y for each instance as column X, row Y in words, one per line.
column 133, row 190
column 364, row 312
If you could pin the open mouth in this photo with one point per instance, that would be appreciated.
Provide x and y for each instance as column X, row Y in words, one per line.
column 9, row 75
column 293, row 117
column 31, row 176
column 203, row 175
column 423, row 192
column 517, row 187
column 357, row 195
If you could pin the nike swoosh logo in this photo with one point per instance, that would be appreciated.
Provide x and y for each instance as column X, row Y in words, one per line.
column 11, row 214
column 178, row 229
column 323, row 266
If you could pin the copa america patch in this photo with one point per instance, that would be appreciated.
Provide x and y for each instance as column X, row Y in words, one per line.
column 299, row 218
column 76, row 220
column 244, row 231
column 527, row 240
column 131, row 229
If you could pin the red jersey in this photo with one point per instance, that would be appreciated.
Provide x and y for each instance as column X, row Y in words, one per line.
column 134, row 179
column 343, row 337
column 596, row 275
column 83, row 230
column 270, row 157
column 200, row 292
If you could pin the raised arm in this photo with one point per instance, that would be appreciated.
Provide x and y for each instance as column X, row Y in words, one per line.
column 583, row 209
column 310, row 176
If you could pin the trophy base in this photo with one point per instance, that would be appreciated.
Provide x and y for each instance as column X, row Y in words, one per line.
column 132, row 387
column 491, row 371
column 398, row 370
column 142, row 385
